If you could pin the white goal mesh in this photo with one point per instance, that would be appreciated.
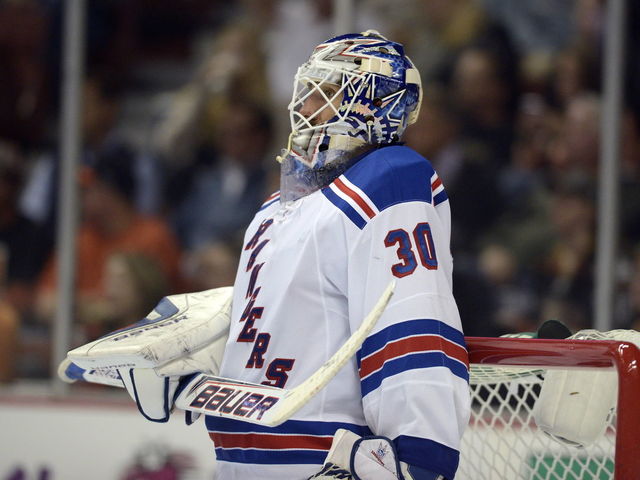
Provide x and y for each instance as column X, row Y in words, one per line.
column 502, row 441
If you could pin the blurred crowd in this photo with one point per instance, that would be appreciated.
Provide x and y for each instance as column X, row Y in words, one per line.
column 184, row 111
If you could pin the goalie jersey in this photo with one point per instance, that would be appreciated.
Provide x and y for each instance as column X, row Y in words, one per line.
column 310, row 271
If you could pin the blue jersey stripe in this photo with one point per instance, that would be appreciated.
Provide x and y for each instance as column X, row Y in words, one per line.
column 271, row 457
column 270, row 200
column 411, row 362
column 347, row 209
column 277, row 455
column 408, row 328
column 440, row 197
column 299, row 427
column 268, row 204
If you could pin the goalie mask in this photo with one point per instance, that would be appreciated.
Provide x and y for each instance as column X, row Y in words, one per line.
column 356, row 92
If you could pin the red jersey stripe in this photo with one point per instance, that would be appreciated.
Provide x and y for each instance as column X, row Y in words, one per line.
column 356, row 198
column 423, row 343
column 272, row 196
column 270, row 441
column 436, row 184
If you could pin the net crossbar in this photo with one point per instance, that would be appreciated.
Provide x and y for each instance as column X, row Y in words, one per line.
column 503, row 442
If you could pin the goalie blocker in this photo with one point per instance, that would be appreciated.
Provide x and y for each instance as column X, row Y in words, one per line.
column 160, row 361
column 184, row 334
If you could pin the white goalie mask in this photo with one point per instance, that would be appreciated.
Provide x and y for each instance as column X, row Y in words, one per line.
column 356, row 92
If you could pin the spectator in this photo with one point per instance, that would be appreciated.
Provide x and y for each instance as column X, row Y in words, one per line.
column 568, row 266
column 134, row 283
column 478, row 300
column 537, row 125
column 232, row 68
column 434, row 32
column 536, row 27
column 485, row 91
column 630, row 180
column 211, row 266
column 23, row 251
column 516, row 300
column 102, row 102
column 574, row 156
column 224, row 190
column 9, row 328
column 628, row 305
column 110, row 224
column 475, row 200
column 20, row 239
column 24, row 79
column 575, row 73
column 9, row 341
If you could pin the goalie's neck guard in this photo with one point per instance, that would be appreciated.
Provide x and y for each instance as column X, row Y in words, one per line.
column 356, row 92
column 298, row 180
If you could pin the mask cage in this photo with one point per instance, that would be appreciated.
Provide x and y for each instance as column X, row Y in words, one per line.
column 313, row 83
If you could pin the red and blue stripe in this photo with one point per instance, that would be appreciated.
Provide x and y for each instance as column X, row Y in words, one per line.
column 271, row 199
column 438, row 192
column 385, row 177
column 293, row 442
column 410, row 345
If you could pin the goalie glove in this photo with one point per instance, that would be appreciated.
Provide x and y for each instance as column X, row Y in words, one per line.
column 156, row 357
column 352, row 457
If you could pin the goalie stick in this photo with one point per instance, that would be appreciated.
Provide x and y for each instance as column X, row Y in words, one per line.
column 250, row 402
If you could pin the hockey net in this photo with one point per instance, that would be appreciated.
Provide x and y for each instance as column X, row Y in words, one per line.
column 503, row 442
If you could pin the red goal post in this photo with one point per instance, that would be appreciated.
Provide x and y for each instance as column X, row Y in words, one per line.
column 528, row 354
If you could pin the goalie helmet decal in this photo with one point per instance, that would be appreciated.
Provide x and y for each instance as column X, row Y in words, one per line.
column 355, row 92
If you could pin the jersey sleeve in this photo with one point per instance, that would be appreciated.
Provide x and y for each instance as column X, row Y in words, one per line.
column 413, row 367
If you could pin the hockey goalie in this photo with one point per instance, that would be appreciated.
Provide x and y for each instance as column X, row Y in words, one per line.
column 342, row 304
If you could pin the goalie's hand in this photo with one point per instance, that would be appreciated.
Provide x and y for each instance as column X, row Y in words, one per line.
column 352, row 457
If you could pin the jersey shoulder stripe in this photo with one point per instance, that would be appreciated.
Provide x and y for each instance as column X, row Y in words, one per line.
column 438, row 192
column 383, row 178
column 347, row 207
column 414, row 344
column 271, row 199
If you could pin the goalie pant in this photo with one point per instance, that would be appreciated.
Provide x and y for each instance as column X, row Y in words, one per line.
column 308, row 273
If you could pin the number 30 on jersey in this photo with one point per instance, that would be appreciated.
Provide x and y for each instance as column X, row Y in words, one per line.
column 421, row 241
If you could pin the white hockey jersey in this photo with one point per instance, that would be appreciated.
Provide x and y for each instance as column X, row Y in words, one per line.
column 309, row 273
